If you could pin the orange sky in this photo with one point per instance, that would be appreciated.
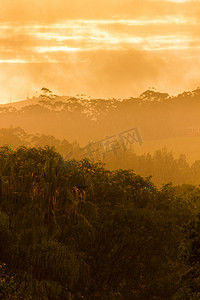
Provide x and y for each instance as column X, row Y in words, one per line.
column 101, row 48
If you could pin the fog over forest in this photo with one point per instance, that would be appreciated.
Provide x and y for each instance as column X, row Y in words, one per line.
column 99, row 198
column 161, row 120
column 100, row 150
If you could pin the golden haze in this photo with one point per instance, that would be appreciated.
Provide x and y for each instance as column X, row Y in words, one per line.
column 101, row 48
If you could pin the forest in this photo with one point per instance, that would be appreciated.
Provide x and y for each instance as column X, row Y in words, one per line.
column 76, row 230
column 161, row 165
column 122, row 224
column 157, row 115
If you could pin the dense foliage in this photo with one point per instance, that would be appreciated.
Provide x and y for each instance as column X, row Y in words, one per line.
column 75, row 230
column 161, row 165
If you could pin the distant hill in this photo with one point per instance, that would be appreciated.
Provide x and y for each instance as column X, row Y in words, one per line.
column 157, row 116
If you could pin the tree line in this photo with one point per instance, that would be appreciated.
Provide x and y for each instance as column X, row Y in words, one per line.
column 161, row 165
column 156, row 115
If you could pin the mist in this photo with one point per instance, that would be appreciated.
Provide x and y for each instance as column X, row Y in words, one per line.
column 99, row 149
column 101, row 74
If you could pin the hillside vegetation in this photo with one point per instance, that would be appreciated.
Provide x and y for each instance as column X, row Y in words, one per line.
column 156, row 115
column 161, row 165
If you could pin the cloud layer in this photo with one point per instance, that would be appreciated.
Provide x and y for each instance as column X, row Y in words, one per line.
column 117, row 47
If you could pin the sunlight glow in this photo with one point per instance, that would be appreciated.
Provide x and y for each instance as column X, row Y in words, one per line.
column 179, row 1
column 55, row 49
column 71, row 36
column 13, row 61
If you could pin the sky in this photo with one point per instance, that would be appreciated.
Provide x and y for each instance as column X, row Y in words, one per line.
column 101, row 48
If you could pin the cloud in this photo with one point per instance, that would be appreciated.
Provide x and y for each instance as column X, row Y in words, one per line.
column 48, row 11
column 52, row 42
column 109, row 59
